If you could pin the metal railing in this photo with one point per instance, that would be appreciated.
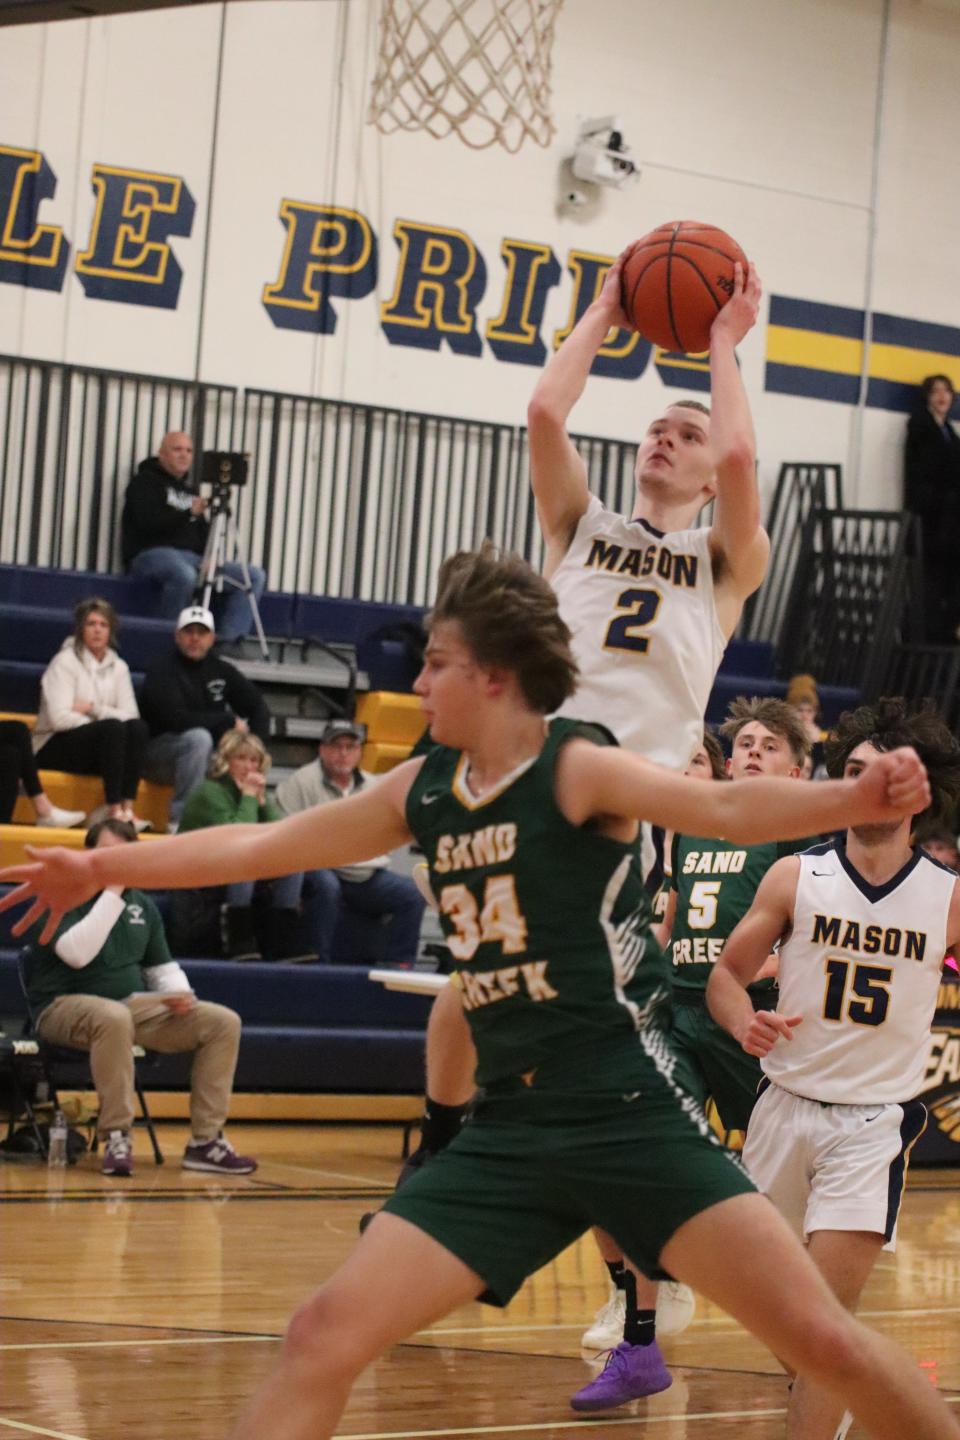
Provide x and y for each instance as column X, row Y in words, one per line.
column 849, row 598
column 920, row 672
column 359, row 501
column 800, row 489
column 70, row 438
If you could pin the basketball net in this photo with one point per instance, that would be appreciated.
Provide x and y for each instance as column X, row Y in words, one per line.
column 477, row 68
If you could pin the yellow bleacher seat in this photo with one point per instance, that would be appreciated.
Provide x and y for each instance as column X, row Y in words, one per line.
column 85, row 792
column 394, row 724
column 378, row 756
column 392, row 717
column 13, row 839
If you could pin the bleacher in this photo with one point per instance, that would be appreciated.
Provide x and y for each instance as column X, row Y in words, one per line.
column 307, row 1031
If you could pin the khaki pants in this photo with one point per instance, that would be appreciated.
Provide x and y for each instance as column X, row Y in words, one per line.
column 107, row 1030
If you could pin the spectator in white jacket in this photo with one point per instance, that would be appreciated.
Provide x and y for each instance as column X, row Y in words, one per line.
column 89, row 723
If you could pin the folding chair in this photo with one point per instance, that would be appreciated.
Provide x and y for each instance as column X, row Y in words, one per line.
column 51, row 1056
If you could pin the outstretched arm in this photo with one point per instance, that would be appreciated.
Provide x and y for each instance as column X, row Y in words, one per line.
column 745, row 954
column 352, row 830
column 596, row 781
column 557, row 472
column 738, row 544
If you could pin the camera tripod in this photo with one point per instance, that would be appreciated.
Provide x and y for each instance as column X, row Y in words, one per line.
column 223, row 544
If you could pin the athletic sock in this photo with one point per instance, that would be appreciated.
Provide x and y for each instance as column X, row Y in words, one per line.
column 639, row 1326
column 617, row 1271
column 440, row 1124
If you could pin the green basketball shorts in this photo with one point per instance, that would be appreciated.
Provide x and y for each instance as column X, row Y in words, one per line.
column 531, row 1171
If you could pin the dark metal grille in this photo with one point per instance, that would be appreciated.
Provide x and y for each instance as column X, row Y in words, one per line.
column 919, row 671
column 800, row 490
column 70, row 438
column 343, row 499
column 849, row 595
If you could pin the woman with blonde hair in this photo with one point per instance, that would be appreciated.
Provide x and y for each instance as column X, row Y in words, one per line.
column 89, row 723
column 235, row 794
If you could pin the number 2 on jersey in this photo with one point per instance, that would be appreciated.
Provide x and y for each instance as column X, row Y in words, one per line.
column 500, row 919
column 640, row 611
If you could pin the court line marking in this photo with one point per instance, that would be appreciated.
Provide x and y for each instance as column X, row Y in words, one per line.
column 573, row 1424
column 38, row 1430
column 212, row 1338
column 706, row 1320
column 120, row 1344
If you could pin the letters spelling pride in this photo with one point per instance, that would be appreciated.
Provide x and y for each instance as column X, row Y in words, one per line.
column 330, row 251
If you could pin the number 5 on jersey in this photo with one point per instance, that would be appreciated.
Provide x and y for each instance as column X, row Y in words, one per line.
column 499, row 920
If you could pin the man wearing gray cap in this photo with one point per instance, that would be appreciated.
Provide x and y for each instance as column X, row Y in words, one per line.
column 190, row 698
column 370, row 889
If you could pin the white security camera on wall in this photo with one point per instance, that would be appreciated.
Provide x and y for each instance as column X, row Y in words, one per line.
column 601, row 157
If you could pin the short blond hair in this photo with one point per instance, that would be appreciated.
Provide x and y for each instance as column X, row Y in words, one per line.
column 230, row 744
column 775, row 715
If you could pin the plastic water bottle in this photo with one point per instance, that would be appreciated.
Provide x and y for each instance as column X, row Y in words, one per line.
column 57, row 1148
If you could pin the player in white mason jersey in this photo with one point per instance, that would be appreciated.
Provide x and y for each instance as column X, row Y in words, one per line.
column 650, row 599
column 865, row 923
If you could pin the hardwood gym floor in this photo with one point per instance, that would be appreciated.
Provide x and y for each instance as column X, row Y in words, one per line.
column 150, row 1308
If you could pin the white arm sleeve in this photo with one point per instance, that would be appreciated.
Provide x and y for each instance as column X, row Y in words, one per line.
column 169, row 976
column 77, row 946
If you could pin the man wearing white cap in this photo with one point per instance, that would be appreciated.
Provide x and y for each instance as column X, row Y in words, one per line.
column 190, row 698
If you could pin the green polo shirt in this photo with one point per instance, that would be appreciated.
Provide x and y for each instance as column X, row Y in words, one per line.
column 136, row 941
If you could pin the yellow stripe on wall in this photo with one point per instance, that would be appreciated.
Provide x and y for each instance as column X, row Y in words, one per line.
column 898, row 362
column 814, row 350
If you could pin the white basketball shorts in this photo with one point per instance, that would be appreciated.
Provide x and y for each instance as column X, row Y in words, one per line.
column 832, row 1167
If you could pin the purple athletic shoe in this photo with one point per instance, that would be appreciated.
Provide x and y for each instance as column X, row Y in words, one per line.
column 217, row 1156
column 631, row 1372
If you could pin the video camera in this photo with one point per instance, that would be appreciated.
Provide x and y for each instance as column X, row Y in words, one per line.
column 224, row 469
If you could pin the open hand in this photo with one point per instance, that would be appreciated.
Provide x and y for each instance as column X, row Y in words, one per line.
column 55, row 880
column 610, row 298
column 739, row 315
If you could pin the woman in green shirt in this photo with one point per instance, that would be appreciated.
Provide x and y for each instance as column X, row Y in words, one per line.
column 235, row 794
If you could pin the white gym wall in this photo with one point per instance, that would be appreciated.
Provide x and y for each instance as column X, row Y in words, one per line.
column 820, row 133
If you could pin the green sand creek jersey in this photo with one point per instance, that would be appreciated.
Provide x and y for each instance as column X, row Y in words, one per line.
column 715, row 882
column 548, row 922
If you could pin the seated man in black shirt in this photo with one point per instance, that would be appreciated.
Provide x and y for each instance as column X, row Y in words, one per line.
column 164, row 532
column 189, row 699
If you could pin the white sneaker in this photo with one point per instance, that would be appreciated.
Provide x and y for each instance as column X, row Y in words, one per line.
column 606, row 1332
column 676, row 1307
column 141, row 825
column 61, row 819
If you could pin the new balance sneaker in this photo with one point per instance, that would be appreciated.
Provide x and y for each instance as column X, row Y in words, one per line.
column 606, row 1332
column 218, row 1156
column 676, row 1307
column 631, row 1372
column 117, row 1154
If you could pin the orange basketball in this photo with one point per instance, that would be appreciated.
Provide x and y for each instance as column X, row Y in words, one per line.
column 675, row 281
